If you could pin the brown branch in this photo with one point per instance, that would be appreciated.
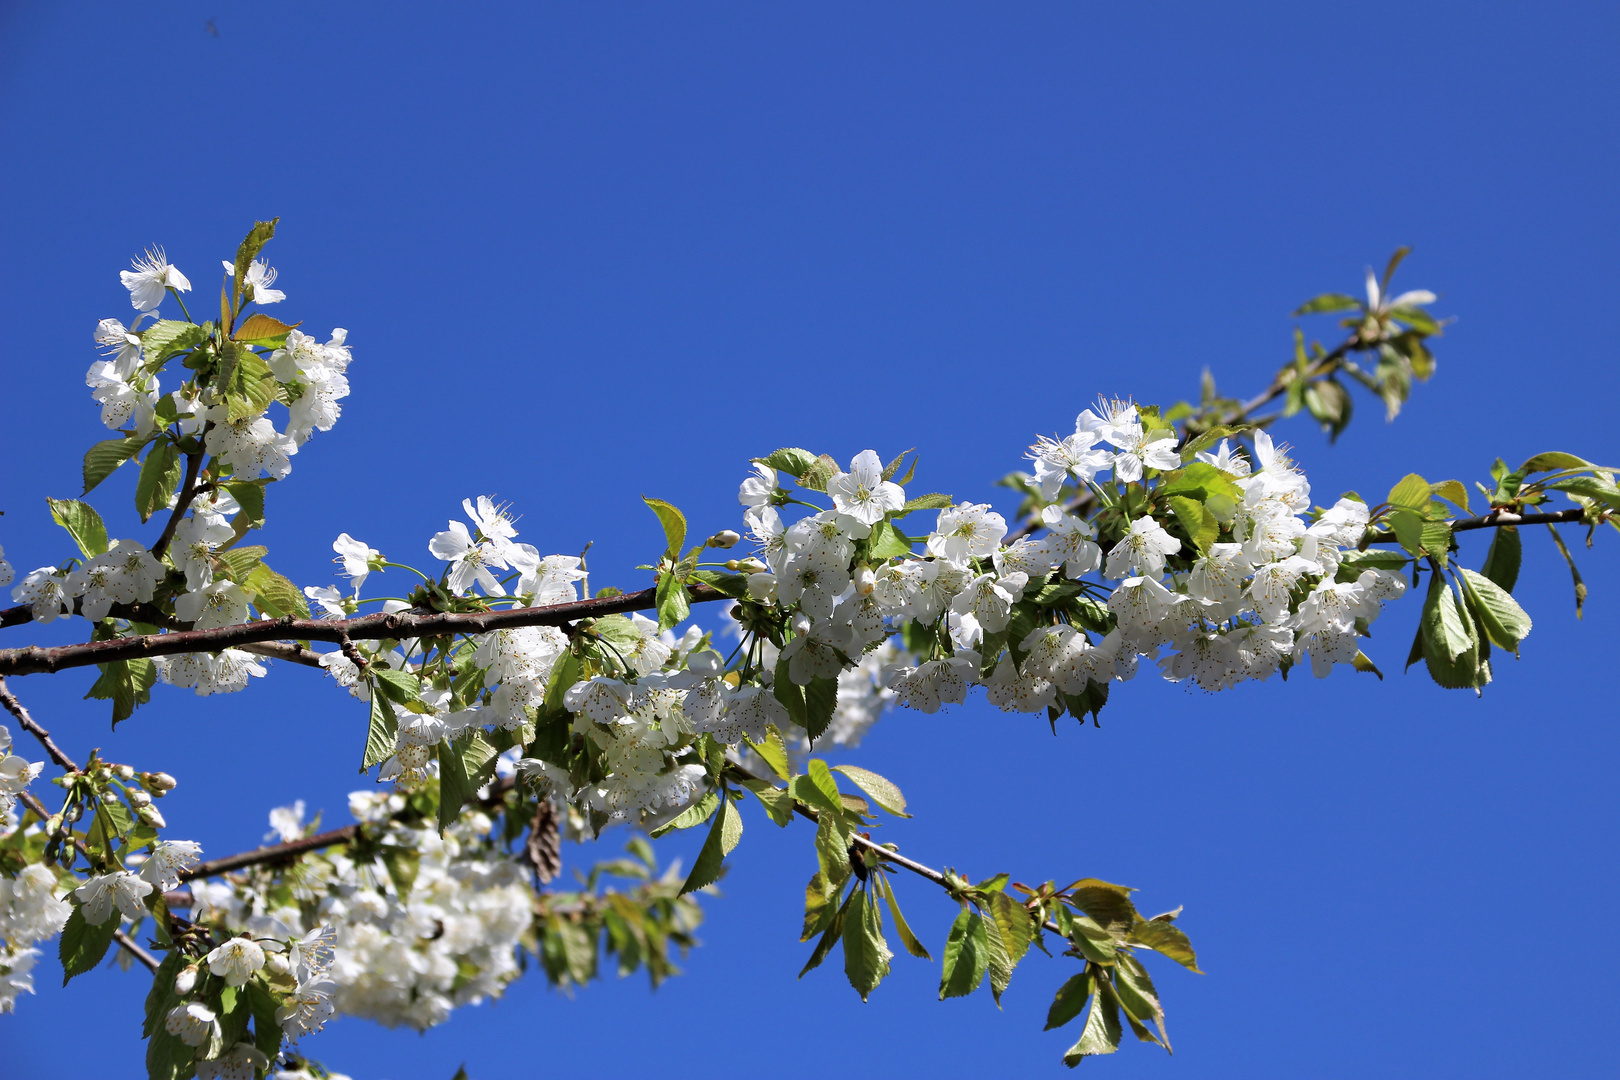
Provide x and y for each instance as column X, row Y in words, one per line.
column 376, row 627
column 15, row 708
column 294, row 848
column 129, row 946
column 188, row 491
column 1496, row 519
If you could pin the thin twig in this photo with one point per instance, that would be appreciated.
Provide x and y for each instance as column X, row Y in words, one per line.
column 1496, row 519
column 15, row 708
column 135, row 950
column 393, row 625
column 188, row 491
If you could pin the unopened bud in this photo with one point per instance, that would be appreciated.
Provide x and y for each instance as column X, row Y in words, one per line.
column 150, row 815
column 864, row 580
column 751, row 566
column 187, row 979
column 124, row 772
column 73, row 813
column 801, row 624
column 724, row 539
column 109, row 799
column 277, row 963
column 160, row 783
column 139, row 798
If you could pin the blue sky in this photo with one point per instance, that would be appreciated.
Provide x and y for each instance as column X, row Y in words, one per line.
column 586, row 253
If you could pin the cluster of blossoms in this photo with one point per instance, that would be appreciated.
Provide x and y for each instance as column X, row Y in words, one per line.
column 32, row 909
column 358, row 944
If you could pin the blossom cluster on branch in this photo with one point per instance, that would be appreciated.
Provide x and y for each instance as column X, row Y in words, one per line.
column 506, row 707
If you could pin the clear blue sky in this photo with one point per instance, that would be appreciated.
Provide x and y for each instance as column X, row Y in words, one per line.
column 587, row 252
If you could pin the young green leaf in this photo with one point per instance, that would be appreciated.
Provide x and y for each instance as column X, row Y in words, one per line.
column 674, row 523
column 1166, row 938
column 723, row 836
column 907, row 938
column 866, row 954
column 693, row 816
column 1411, row 493
column 82, row 523
column 264, row 330
column 1196, row 521
column 1102, row 1031
column 967, row 956
column 247, row 251
column 820, row 705
column 1503, row 558
column 1505, row 622
column 881, row 791
column 83, row 945
column 160, row 475
column 101, row 459
column 829, row 938
column 1070, row 998
column 791, row 460
column 382, row 732
column 1326, row 302
column 1574, row 572
column 773, row 751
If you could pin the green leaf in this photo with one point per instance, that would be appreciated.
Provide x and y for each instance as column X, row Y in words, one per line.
column 127, row 684
column 773, row 751
column 1102, row 1031
column 83, row 945
column 250, row 387
column 822, row 778
column 383, row 730
column 834, row 931
column 674, row 523
column 693, row 816
column 248, row 250
column 1363, row 663
column 733, row 585
column 159, row 998
column 866, row 954
column 1449, row 647
column 400, row 687
column 777, row 803
column 1070, row 998
column 264, row 330
column 1014, row 928
column 888, row 542
column 816, row 476
column 791, row 460
column 673, row 605
column 1553, row 461
column 169, row 337
column 82, row 523
column 881, row 791
column 1327, row 302
column 1139, row 996
column 931, row 501
column 275, row 594
column 1110, row 905
column 907, row 938
column 159, row 477
column 262, row 1006
column 820, row 905
column 101, row 459
column 832, row 847
column 1095, row 943
column 1503, row 558
column 820, row 705
column 455, row 787
column 1196, row 520
column 967, row 956
column 723, row 837
column 1454, row 492
column 1589, row 487
column 789, row 693
column 240, row 563
column 1505, row 622
column 1412, row 493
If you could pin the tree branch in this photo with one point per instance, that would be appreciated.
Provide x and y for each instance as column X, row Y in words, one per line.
column 1495, row 520
column 376, row 627
column 15, row 708
column 129, row 946
column 188, row 491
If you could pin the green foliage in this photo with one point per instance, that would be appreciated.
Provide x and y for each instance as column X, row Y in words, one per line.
column 674, row 523
column 247, row 251
column 104, row 457
column 82, row 944
column 159, row 478
column 882, row 792
column 127, row 684
column 82, row 523
column 723, row 837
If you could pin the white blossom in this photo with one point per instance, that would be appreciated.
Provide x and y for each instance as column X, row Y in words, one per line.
column 151, row 277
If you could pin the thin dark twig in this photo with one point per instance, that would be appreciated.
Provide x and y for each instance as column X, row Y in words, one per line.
column 15, row 708
column 389, row 625
column 188, row 491
column 129, row 946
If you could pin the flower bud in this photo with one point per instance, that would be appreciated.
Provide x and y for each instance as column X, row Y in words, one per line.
column 187, row 979
column 124, row 772
column 733, row 565
column 159, row 783
column 800, row 624
column 150, row 815
column 277, row 963
column 751, row 566
column 724, row 539
column 864, row 580
column 109, row 799
column 139, row 798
